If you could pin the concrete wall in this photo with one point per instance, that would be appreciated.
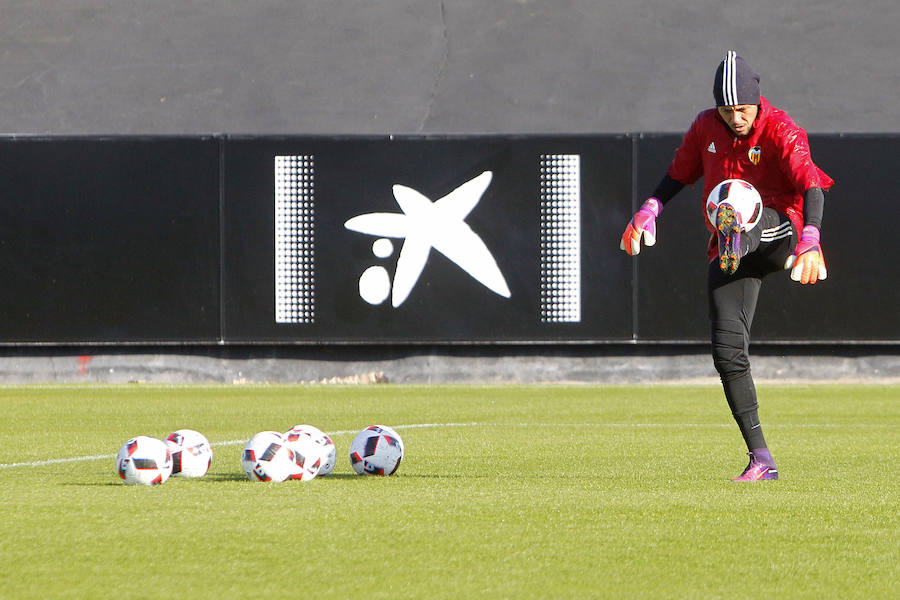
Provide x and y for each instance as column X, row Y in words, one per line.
column 451, row 66
column 426, row 365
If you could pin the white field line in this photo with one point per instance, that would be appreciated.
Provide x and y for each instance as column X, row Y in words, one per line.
column 58, row 461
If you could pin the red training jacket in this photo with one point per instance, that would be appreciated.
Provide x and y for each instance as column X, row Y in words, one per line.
column 774, row 157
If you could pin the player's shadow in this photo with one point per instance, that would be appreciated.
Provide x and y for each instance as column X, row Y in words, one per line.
column 117, row 483
column 441, row 475
column 228, row 477
column 218, row 477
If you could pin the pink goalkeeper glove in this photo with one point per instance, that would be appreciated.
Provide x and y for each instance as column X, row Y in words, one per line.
column 807, row 261
column 642, row 224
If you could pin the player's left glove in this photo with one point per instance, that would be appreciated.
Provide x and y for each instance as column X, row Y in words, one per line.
column 807, row 260
column 643, row 223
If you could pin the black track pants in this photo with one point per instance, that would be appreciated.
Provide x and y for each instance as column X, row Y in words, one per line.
column 732, row 303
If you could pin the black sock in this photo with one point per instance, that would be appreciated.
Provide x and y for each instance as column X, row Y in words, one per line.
column 751, row 430
column 741, row 395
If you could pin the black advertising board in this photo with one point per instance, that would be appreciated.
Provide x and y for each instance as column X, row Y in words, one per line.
column 670, row 277
column 472, row 239
column 858, row 302
column 860, row 299
column 404, row 240
column 109, row 240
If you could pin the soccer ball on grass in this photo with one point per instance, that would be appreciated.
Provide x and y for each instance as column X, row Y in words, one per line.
column 191, row 453
column 144, row 460
column 376, row 450
column 299, row 433
column 267, row 457
column 307, row 458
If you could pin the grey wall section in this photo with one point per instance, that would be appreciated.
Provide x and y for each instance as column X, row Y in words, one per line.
column 438, row 66
column 442, row 364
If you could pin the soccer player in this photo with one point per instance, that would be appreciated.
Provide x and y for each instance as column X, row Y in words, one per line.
column 745, row 137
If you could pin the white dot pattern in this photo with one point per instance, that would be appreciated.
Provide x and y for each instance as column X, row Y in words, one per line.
column 560, row 238
column 294, row 239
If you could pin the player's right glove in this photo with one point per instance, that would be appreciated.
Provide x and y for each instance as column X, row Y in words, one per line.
column 807, row 260
column 643, row 223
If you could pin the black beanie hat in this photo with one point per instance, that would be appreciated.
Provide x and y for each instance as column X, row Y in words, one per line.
column 736, row 82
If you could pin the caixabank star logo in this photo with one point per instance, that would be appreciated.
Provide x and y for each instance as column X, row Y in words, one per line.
column 403, row 242
column 425, row 225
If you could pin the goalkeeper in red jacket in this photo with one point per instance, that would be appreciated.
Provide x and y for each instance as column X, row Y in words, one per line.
column 747, row 138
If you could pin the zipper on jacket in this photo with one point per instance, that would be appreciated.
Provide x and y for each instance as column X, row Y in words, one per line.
column 732, row 158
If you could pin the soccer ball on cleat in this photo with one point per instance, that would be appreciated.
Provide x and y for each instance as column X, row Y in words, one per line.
column 191, row 453
column 144, row 460
column 267, row 457
column 376, row 450
column 329, row 452
column 743, row 198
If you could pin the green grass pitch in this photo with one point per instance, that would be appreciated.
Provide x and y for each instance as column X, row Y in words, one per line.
column 505, row 492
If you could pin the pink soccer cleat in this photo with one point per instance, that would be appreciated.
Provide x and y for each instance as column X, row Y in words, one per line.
column 757, row 470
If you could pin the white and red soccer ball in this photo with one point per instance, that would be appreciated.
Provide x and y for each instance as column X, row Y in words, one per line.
column 299, row 435
column 144, row 460
column 307, row 458
column 267, row 456
column 191, row 453
column 376, row 450
column 743, row 198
